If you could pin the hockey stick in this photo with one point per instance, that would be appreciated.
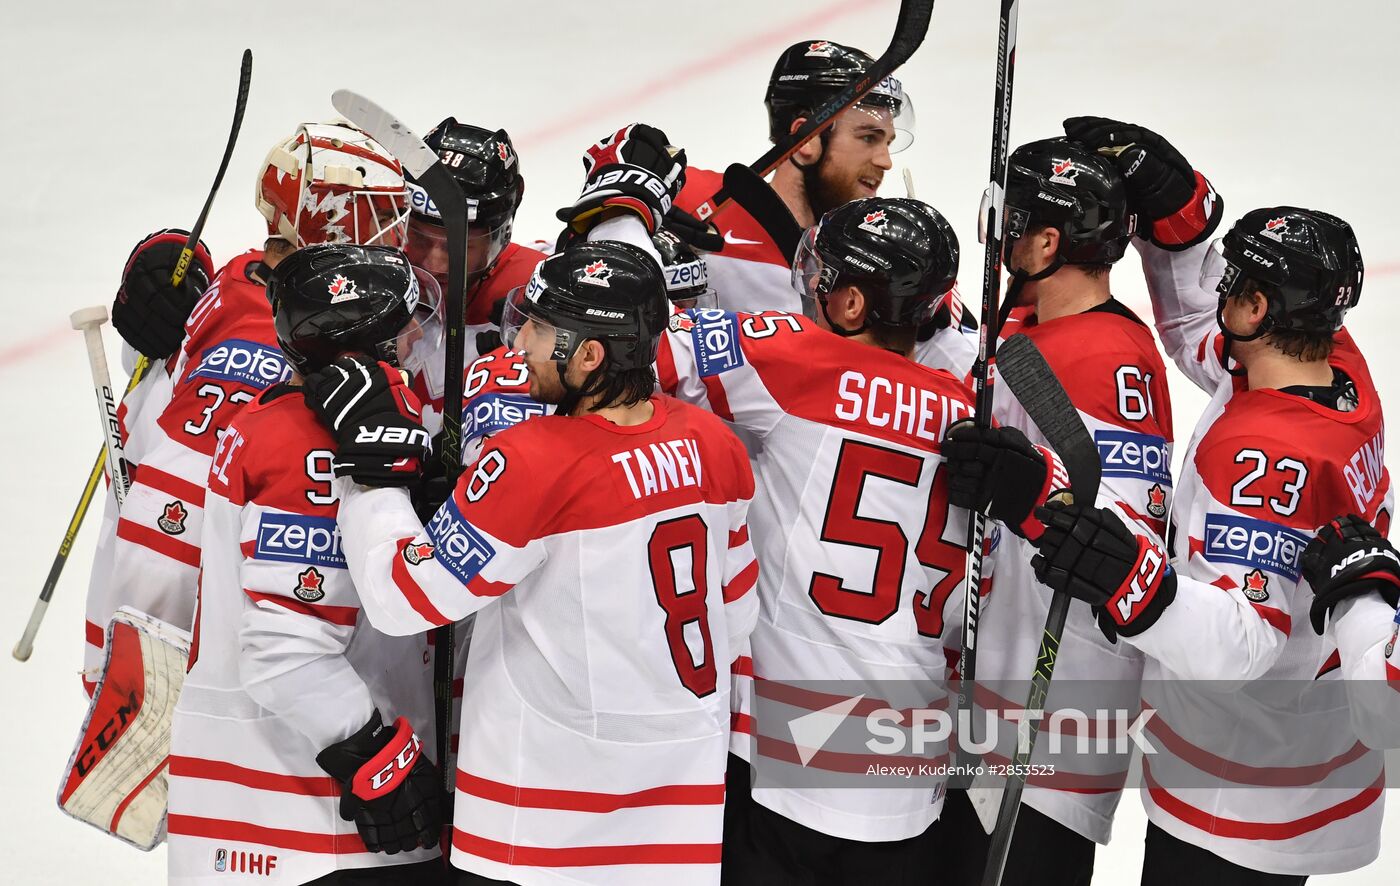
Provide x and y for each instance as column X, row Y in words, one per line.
column 1023, row 368
column 751, row 192
column 444, row 191
column 89, row 322
column 987, row 338
column 909, row 31
column 25, row 646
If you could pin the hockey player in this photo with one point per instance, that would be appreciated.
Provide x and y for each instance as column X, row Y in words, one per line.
column 605, row 552
column 1068, row 220
column 846, row 162
column 325, row 183
column 1257, row 779
column 295, row 752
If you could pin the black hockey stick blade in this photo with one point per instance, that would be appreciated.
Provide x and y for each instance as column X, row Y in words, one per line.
column 909, row 31
column 1022, row 366
column 759, row 200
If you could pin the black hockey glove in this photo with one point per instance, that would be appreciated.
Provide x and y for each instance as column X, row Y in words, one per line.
column 148, row 312
column 375, row 418
column 999, row 471
column 1089, row 554
column 1180, row 207
column 434, row 487
column 1349, row 558
column 635, row 169
column 692, row 231
column 387, row 787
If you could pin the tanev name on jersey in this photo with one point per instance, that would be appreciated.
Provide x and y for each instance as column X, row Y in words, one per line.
column 245, row 362
column 298, row 538
column 1133, row 455
column 458, row 546
column 1256, row 543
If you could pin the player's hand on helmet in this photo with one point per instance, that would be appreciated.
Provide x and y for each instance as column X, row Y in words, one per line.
column 999, row 471
column 376, row 420
column 388, row 788
column 635, row 169
column 693, row 232
column 1348, row 558
column 1176, row 204
column 148, row 312
column 1091, row 555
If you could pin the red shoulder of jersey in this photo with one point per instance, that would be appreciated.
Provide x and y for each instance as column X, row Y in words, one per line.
column 1110, row 367
column 557, row 474
column 233, row 305
column 512, row 269
column 1295, row 462
column 276, row 454
column 744, row 238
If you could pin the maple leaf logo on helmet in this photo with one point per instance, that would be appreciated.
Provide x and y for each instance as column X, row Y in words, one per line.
column 1157, row 501
column 596, row 273
column 874, row 222
column 504, row 153
column 342, row 289
column 172, row 522
column 1256, row 586
column 415, row 554
column 819, row 49
column 1275, row 228
column 309, row 585
column 1063, row 172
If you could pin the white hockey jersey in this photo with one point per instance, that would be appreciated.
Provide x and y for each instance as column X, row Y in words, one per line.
column 862, row 558
column 282, row 665
column 1263, row 766
column 610, row 571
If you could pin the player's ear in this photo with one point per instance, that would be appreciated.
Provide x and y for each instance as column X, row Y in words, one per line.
column 809, row 153
column 846, row 306
column 1048, row 239
column 590, row 355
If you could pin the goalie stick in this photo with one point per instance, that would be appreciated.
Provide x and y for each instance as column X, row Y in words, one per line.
column 25, row 647
column 425, row 166
column 910, row 28
column 1021, row 365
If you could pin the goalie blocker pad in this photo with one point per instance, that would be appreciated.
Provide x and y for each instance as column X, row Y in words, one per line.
column 116, row 776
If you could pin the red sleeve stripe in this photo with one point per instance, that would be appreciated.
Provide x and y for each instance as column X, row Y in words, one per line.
column 344, row 616
column 839, row 761
column 1392, row 676
column 1258, row 830
column 719, row 401
column 742, row 666
column 243, row 832
column 738, row 537
column 150, row 539
column 1276, row 617
column 89, row 686
column 126, row 801
column 741, row 583
column 666, row 375
column 584, row 856
column 218, row 770
column 589, row 801
column 1072, row 782
column 95, row 636
column 741, row 723
column 176, row 487
column 1244, row 774
column 411, row 590
column 483, row 588
column 812, row 700
column 1333, row 662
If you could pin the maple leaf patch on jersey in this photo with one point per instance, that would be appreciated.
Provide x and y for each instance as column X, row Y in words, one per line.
column 415, row 554
column 309, row 585
column 681, row 323
column 1256, row 586
column 1157, row 501
column 172, row 522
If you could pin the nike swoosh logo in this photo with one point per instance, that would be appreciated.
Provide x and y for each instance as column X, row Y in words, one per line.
column 738, row 241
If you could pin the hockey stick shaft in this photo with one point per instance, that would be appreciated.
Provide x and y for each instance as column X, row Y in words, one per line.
column 910, row 29
column 987, row 338
column 1024, row 370
column 89, row 322
column 426, row 167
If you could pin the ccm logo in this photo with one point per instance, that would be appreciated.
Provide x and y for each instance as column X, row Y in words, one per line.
column 1149, row 568
column 402, row 762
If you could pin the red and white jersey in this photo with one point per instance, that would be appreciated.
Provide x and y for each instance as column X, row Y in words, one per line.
column 1289, row 786
column 512, row 269
column 610, row 571
column 750, row 273
column 1110, row 368
column 861, row 557
column 229, row 354
column 281, row 666
column 495, row 396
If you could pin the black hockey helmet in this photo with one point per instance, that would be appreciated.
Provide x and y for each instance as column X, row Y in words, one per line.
column 900, row 251
column 812, row 71
column 1307, row 264
column 602, row 289
column 685, row 272
column 1060, row 183
column 330, row 299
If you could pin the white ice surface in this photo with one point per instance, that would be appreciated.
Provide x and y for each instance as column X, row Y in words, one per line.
column 113, row 116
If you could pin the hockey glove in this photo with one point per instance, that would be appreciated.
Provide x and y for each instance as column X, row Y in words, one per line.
column 635, row 169
column 692, row 231
column 375, row 418
column 1349, row 558
column 1089, row 554
column 387, row 787
column 999, row 471
column 148, row 312
column 1180, row 205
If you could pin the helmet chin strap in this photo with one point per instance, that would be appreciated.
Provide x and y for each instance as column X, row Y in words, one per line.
column 1230, row 338
column 1019, row 279
column 838, row 329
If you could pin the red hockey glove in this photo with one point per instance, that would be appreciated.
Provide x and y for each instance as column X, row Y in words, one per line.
column 388, row 788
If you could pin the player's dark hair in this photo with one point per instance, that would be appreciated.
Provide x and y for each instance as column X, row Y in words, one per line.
column 1307, row 345
column 625, row 387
